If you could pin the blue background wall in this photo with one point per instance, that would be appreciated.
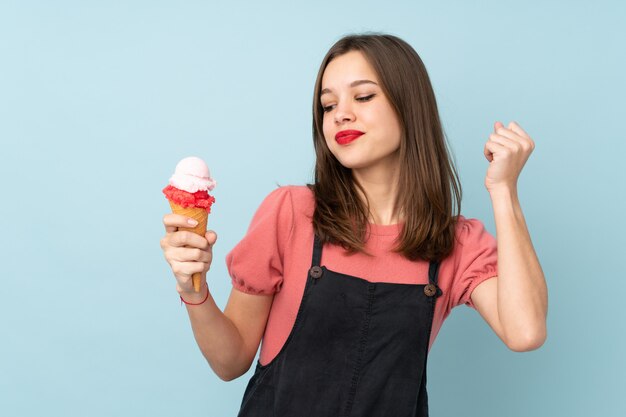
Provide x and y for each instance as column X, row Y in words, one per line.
column 99, row 100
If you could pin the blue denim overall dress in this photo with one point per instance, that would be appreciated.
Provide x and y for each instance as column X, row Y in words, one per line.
column 357, row 348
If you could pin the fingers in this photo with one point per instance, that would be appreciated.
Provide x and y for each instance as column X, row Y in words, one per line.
column 184, row 238
column 173, row 221
column 512, row 137
column 517, row 129
column 185, row 270
column 184, row 246
column 500, row 129
column 487, row 153
column 490, row 148
column 511, row 143
column 501, row 138
column 190, row 255
column 211, row 237
column 512, row 131
column 185, row 251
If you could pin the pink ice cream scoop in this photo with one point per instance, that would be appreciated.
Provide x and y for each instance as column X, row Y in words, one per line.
column 192, row 175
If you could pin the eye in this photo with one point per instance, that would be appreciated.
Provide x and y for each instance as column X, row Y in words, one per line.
column 366, row 98
column 361, row 99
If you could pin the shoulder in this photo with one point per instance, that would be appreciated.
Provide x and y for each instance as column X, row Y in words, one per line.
column 299, row 192
column 472, row 242
column 296, row 192
column 298, row 198
column 470, row 231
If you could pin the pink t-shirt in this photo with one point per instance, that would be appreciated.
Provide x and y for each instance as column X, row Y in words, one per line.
column 275, row 255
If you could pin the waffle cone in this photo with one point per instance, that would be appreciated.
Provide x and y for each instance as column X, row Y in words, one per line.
column 200, row 215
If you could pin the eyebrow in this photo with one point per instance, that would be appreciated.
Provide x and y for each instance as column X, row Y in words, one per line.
column 352, row 84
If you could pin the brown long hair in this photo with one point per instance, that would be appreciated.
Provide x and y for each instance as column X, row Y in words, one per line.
column 429, row 185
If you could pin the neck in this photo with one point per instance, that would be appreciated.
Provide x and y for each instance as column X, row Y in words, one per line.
column 381, row 189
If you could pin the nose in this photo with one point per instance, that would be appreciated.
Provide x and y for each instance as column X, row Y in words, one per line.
column 344, row 113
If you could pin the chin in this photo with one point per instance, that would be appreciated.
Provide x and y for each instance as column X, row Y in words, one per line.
column 350, row 159
column 351, row 164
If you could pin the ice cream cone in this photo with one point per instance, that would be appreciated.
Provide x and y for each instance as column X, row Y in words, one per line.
column 188, row 194
column 200, row 215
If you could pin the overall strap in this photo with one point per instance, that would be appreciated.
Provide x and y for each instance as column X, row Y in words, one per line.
column 433, row 272
column 317, row 251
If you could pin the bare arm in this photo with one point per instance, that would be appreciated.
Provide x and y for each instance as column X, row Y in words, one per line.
column 219, row 335
column 516, row 303
column 229, row 341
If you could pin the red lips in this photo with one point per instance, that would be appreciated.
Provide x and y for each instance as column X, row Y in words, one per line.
column 346, row 136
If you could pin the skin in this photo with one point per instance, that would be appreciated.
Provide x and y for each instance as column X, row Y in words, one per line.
column 514, row 304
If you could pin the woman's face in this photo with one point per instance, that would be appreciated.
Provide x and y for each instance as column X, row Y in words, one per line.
column 353, row 100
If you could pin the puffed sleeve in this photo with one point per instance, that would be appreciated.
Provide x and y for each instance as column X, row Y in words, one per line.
column 255, row 264
column 476, row 260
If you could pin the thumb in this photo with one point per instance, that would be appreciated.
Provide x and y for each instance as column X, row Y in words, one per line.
column 211, row 237
column 497, row 126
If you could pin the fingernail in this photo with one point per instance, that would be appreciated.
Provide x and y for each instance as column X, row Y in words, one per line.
column 192, row 222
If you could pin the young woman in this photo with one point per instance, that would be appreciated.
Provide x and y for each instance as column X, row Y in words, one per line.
column 349, row 279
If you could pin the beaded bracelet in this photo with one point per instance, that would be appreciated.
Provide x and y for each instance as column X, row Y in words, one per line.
column 195, row 304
